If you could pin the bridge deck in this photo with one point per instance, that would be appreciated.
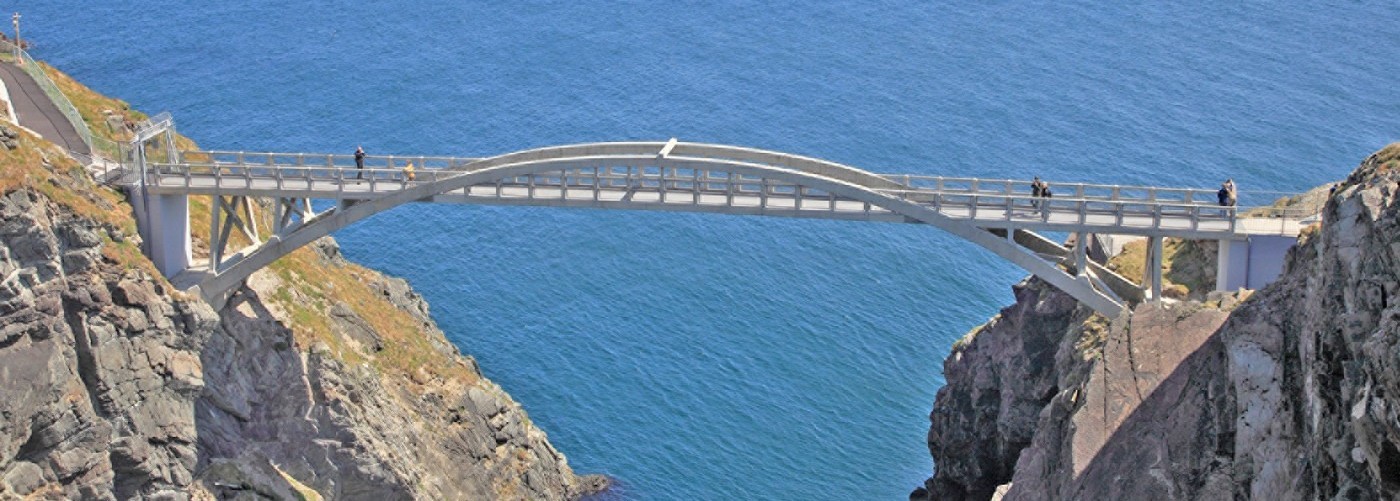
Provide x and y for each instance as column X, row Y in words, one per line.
column 691, row 177
column 702, row 191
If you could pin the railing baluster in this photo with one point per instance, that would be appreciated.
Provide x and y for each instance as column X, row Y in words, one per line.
column 662, row 184
column 763, row 194
column 729, row 189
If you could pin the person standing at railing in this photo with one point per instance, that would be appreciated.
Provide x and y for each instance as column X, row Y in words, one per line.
column 1227, row 196
column 359, row 162
column 1039, row 189
column 408, row 171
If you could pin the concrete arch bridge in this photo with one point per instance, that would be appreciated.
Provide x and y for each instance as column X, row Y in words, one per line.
column 997, row 214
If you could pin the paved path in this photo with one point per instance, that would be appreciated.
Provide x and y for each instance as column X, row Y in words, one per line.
column 37, row 113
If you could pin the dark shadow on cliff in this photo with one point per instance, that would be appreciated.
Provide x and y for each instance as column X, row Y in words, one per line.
column 228, row 411
column 1164, row 380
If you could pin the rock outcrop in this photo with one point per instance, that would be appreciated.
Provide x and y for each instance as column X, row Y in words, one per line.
column 318, row 379
column 99, row 362
column 1288, row 393
column 331, row 414
column 999, row 378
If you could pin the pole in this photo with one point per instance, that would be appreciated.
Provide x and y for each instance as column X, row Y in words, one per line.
column 18, row 60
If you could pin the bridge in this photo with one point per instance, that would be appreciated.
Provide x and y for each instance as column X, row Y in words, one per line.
column 999, row 215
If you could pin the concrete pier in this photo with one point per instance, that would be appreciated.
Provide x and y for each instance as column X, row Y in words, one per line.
column 164, row 222
column 1252, row 262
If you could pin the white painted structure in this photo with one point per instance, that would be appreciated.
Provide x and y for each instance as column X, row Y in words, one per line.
column 1252, row 262
column 999, row 215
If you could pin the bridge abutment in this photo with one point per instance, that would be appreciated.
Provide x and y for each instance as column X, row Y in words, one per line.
column 1252, row 262
column 164, row 222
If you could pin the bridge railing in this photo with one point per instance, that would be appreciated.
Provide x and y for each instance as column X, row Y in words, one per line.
column 331, row 179
column 294, row 160
column 328, row 176
column 986, row 206
column 1086, row 191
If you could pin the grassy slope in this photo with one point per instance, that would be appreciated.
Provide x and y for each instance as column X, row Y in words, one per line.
column 1187, row 266
column 407, row 351
column 41, row 166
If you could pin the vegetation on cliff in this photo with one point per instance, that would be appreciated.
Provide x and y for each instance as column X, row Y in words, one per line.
column 320, row 378
column 1282, row 393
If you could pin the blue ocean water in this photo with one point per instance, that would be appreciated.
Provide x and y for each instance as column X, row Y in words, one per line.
column 742, row 357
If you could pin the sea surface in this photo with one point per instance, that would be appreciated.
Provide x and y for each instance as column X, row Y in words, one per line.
column 725, row 357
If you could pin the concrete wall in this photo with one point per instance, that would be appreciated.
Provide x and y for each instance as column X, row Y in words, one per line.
column 1251, row 263
column 164, row 221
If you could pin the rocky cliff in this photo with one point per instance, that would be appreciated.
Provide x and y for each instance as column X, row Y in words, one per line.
column 99, row 362
column 1287, row 393
column 319, row 378
column 336, row 377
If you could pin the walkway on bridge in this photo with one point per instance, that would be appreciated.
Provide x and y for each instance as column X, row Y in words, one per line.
column 1000, row 215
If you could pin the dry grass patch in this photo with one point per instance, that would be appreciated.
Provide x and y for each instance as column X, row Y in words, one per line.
column 41, row 166
column 1388, row 158
column 314, row 286
column 311, row 285
column 1188, row 265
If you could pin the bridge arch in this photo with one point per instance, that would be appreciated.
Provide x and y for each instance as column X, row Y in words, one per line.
column 841, row 181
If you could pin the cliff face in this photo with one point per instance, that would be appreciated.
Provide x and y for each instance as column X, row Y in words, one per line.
column 99, row 364
column 320, row 378
column 335, row 411
column 999, row 378
column 1285, row 394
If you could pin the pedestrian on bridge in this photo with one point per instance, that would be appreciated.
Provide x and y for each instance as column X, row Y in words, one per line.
column 359, row 162
column 1039, row 189
column 1227, row 195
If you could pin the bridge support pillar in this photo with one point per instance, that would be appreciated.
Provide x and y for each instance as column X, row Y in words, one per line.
column 225, row 214
column 1152, row 270
column 165, row 231
column 1081, row 254
column 288, row 213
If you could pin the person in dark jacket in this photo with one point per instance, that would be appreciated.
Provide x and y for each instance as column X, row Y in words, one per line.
column 359, row 162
